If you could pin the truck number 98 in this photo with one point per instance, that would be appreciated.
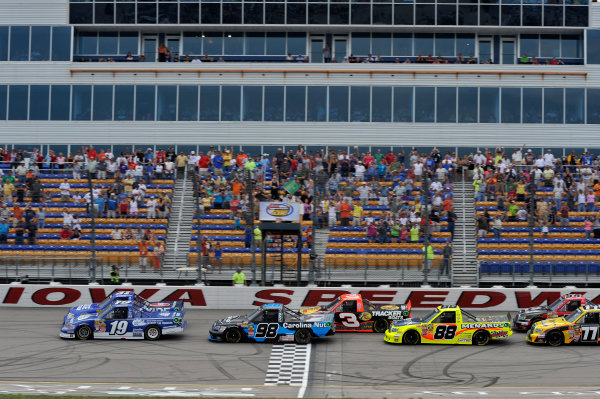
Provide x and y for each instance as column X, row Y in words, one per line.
column 266, row 330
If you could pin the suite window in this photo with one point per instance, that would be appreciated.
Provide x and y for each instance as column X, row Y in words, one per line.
column 316, row 104
column 403, row 104
column 571, row 46
column 444, row 44
column 146, row 13
column 104, row 13
column 553, row 15
column 574, row 106
column 232, row 13
column 276, row 43
column 40, row 43
column 593, row 106
column 553, row 105
column 211, row 13
column 465, row 44
column 532, row 15
column 192, row 43
column 338, row 104
column 108, row 43
column 234, row 44
column 467, row 15
column 511, row 105
column 166, row 103
column 188, row 103
column 213, row 43
column 339, row 14
column 230, row 103
column 381, row 44
column 593, row 46
column 446, row 105
column 317, row 13
column 3, row 102
column 19, row 43
column 467, row 104
column 3, row 43
column 18, row 103
column 255, row 44
column 529, row 44
column 423, row 44
column 361, row 43
column 39, row 97
column 61, row 43
column 382, row 14
column 511, row 15
column 550, row 46
column 209, row 103
column 60, row 103
column 488, row 105
column 403, row 14
column 167, row 13
column 253, row 102
column 402, row 44
column 488, row 15
column 87, row 43
column 296, row 13
column 425, row 14
column 424, row 104
column 253, row 13
column 296, row 43
column 103, row 103
column 82, row 103
column 360, row 104
column 275, row 13
column 576, row 16
column 295, row 100
column 189, row 13
column 81, row 13
column 144, row 103
column 124, row 103
column 381, row 104
column 446, row 14
column 125, row 13
column 532, row 105
column 274, row 102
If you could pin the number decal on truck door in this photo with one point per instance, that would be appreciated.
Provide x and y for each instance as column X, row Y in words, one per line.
column 118, row 328
column 589, row 333
column 349, row 320
column 444, row 332
column 266, row 330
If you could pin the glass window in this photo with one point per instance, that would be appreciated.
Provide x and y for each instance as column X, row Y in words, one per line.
column 423, row 44
column 381, row 44
column 339, row 14
column 3, row 93
column 40, row 43
column 19, row 44
column 425, row 14
column 60, row 105
column 39, row 102
column 276, row 44
column 593, row 106
column 209, row 103
column 188, row 103
column 213, row 44
column 296, row 13
column 553, row 105
column 232, row 13
column 123, row 103
column 87, row 43
column 189, row 13
column 465, row 44
column 125, row 13
column 570, row 46
column 467, row 104
column 166, row 103
column 3, row 43
column 274, row 103
column 167, row 13
column 403, row 104
column 211, row 13
column 446, row 14
column 338, row 104
column 295, row 98
column 361, row 43
column 108, row 43
column 593, row 47
column 511, row 15
column 192, row 43
column 253, row 13
column 553, row 15
column 61, row 43
column 489, row 105
column 403, row 14
column 576, row 16
column 360, row 14
column 532, row 105
column 446, row 105
column 382, row 15
column 82, row 103
column 104, row 13
column 316, row 108
column 574, row 105
column 81, row 13
column 296, row 43
column 255, row 44
column 275, row 13
column 444, row 44
column 144, row 103
column 360, row 104
column 234, row 43
column 550, row 46
column 146, row 13
column 103, row 98
column 317, row 13
column 402, row 44
column 424, row 104
column 230, row 103
column 529, row 45
column 488, row 15
column 511, row 105
column 467, row 15
column 532, row 15
column 382, row 104
column 253, row 101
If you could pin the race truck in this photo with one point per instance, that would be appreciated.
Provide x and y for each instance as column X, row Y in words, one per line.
column 124, row 315
column 449, row 325
column 580, row 326
column 273, row 323
column 354, row 313
column 563, row 306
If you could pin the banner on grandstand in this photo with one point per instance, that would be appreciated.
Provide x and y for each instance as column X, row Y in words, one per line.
column 481, row 299
column 279, row 211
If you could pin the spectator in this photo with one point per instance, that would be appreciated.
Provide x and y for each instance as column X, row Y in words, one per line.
column 239, row 278
column 345, row 210
column 143, row 255
column 157, row 255
column 497, row 226
column 116, row 234
column 447, row 258
column 75, row 234
column 65, row 233
column 427, row 250
column 588, row 227
column 4, row 229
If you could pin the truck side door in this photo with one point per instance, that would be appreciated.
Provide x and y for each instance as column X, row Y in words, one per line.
column 346, row 315
column 118, row 322
column 444, row 326
column 589, row 327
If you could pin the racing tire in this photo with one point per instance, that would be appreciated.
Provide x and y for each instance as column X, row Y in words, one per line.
column 152, row 333
column 535, row 320
column 555, row 338
column 481, row 338
column 302, row 337
column 232, row 335
column 84, row 333
column 380, row 325
column 411, row 337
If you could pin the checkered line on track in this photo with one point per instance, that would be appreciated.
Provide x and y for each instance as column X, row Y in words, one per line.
column 287, row 364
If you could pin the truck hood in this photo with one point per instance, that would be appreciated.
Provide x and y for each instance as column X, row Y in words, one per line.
column 81, row 311
column 407, row 322
column 530, row 313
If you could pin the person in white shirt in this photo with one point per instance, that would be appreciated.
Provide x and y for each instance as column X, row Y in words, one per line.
column 364, row 192
column 116, row 234
column 111, row 168
column 158, row 170
column 196, row 60
column 138, row 174
column 67, row 218
column 517, row 156
column 169, row 168
column 359, row 171
column 65, row 191
column 435, row 186
column 418, row 167
column 76, row 222
column 479, row 158
column 539, row 162
column 151, row 206
column 549, row 158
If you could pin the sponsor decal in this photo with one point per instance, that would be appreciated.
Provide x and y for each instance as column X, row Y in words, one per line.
column 279, row 210
column 250, row 331
column 286, row 338
column 84, row 307
column 306, row 325
column 84, row 317
column 485, row 325
column 390, row 314
column 164, row 314
column 499, row 334
column 390, row 307
column 160, row 304
column 310, row 310
column 365, row 316
column 139, row 322
column 464, row 338
column 100, row 326
column 138, row 332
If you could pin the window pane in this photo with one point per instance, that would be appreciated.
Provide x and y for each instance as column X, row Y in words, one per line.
column 382, row 104
column 338, row 104
column 61, row 103
column 465, row 44
column 273, row 103
column 40, row 43
column 188, row 103
column 360, row 104
column 316, row 110
column 575, row 106
column 295, row 97
column 167, row 13
column 211, row 13
column 255, row 43
column 146, row 13
column 232, row 13
column 19, row 43
column 576, row 16
column 209, row 103
column 339, row 14
column 3, row 94
column 553, row 106
column 593, row 47
column 571, row 46
column 104, row 13
column 446, row 104
column 276, row 43
column 381, row 44
column 317, row 14
column 382, row 15
column 403, row 14
column 189, row 13
column 511, row 105
column 234, row 44
column 467, row 104
column 425, row 14
column 488, row 15
column 296, row 43
column 144, row 103
column 446, row 14
column 38, row 104
column 511, row 15
column 192, row 43
column 550, row 46
column 103, row 98
column 167, row 103
column 403, row 104
column 553, row 15
column 275, row 13
column 360, row 14
column 423, row 44
column 87, row 43
column 123, row 103
column 125, row 13
column 61, row 43
column 444, row 44
column 489, row 105
column 361, row 44
column 3, row 43
column 532, row 105
column 467, row 15
column 108, row 43
column 253, row 13
column 213, row 44
column 530, row 45
column 253, row 100
column 424, row 104
column 402, row 43
column 296, row 13
column 593, row 105
column 230, row 103
column 82, row 103
column 81, row 13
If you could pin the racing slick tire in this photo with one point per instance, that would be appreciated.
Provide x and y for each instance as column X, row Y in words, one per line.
column 232, row 335
column 555, row 338
column 481, row 337
column 152, row 333
column 84, row 332
column 535, row 320
column 302, row 337
column 411, row 337
column 380, row 325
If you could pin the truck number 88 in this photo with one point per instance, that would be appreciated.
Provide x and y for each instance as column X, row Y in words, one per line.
column 444, row 332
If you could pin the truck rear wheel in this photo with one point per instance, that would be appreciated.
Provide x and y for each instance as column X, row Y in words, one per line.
column 152, row 333
column 302, row 337
column 481, row 338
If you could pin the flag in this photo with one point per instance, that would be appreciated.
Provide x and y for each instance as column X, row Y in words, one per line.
column 291, row 186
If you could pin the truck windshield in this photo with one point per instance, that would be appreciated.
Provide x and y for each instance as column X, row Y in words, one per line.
column 332, row 304
column 556, row 304
column 574, row 316
column 430, row 316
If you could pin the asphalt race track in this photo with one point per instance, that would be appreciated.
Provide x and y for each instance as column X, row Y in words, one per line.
column 34, row 360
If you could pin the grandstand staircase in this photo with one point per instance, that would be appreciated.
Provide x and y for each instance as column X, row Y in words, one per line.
column 320, row 238
column 179, row 233
column 464, row 254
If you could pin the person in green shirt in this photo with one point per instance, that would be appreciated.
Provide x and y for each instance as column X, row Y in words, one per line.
column 512, row 211
column 239, row 278
column 524, row 59
column 395, row 231
column 257, row 237
column 429, row 257
column 114, row 275
column 414, row 233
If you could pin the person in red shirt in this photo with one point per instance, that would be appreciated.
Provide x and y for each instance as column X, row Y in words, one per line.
column 143, row 255
column 390, row 157
column 234, row 205
column 91, row 153
column 203, row 164
column 345, row 210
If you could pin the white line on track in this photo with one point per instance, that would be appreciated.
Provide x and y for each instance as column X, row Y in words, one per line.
column 304, row 385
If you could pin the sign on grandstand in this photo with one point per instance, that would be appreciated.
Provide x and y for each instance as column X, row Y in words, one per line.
column 279, row 211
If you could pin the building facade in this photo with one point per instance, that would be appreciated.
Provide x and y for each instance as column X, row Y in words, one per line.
column 271, row 73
